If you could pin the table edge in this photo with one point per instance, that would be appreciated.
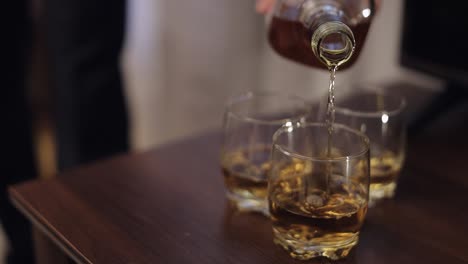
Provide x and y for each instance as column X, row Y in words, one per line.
column 44, row 226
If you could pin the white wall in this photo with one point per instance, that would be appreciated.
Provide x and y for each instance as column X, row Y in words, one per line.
column 182, row 63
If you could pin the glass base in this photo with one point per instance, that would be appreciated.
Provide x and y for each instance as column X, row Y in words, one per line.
column 243, row 204
column 306, row 250
column 381, row 191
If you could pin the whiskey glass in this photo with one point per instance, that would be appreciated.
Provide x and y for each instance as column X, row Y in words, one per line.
column 380, row 117
column 250, row 120
column 318, row 189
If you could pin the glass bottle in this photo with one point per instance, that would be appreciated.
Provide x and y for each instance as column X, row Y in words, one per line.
column 321, row 33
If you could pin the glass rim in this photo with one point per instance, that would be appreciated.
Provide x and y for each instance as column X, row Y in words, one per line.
column 359, row 113
column 288, row 152
column 246, row 96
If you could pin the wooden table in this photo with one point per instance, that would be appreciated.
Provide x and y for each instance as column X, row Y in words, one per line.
column 168, row 206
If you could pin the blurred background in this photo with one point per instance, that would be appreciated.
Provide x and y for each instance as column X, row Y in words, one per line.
column 182, row 59
column 179, row 72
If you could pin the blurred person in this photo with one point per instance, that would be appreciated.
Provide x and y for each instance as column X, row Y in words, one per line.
column 84, row 42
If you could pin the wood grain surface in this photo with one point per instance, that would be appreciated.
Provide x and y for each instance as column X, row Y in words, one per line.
column 168, row 206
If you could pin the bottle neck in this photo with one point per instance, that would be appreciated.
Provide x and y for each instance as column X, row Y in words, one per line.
column 332, row 40
column 333, row 43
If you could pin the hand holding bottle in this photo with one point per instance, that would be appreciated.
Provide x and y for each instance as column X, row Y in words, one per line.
column 319, row 33
column 264, row 6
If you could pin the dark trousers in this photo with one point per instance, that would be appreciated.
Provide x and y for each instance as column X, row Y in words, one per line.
column 84, row 41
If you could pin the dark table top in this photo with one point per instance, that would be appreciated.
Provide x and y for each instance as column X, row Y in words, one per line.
column 168, row 206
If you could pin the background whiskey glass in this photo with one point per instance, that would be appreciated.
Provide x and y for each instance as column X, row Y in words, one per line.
column 379, row 116
column 318, row 198
column 250, row 120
